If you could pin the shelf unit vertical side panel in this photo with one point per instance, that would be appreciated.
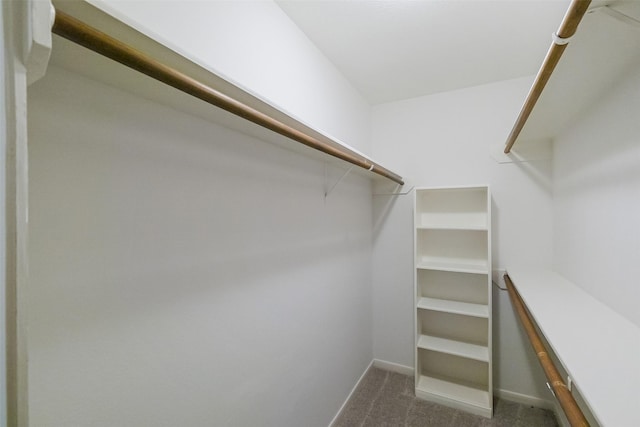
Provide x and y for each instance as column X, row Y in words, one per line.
column 416, row 364
column 490, row 296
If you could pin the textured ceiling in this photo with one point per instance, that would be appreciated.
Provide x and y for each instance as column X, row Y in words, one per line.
column 391, row 50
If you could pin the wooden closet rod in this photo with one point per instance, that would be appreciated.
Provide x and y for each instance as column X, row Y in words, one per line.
column 568, row 28
column 567, row 402
column 78, row 32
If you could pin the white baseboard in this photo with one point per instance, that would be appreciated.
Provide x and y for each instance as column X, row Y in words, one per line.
column 346, row 401
column 524, row 399
column 393, row 367
column 408, row 370
column 382, row 364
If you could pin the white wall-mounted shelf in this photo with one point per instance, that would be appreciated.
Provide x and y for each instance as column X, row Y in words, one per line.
column 138, row 37
column 453, row 297
column 601, row 53
column 587, row 337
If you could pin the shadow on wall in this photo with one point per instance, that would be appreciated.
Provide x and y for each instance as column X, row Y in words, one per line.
column 539, row 172
column 385, row 196
column 170, row 212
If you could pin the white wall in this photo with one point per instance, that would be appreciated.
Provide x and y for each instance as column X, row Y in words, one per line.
column 597, row 199
column 184, row 274
column 445, row 140
column 256, row 45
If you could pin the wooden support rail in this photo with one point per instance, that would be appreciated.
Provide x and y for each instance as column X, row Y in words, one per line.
column 562, row 393
column 78, row 32
column 568, row 27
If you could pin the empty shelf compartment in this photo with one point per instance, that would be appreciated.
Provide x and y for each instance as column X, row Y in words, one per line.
column 453, row 286
column 457, row 327
column 457, row 348
column 452, row 208
column 429, row 386
column 452, row 250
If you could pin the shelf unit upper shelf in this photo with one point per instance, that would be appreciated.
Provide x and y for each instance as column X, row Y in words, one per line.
column 452, row 250
column 457, row 208
column 453, row 221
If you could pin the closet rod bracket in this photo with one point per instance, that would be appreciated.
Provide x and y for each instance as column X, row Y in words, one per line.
column 560, row 41
column 401, row 193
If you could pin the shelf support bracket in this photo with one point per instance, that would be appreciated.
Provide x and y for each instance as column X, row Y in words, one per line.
column 401, row 193
column 327, row 191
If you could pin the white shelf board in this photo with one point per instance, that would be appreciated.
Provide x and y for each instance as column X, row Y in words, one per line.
column 455, row 394
column 96, row 67
column 461, row 265
column 567, row 95
column 453, row 221
column 450, row 226
column 456, row 307
column 584, row 333
column 457, row 348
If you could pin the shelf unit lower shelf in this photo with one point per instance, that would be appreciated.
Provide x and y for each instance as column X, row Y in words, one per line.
column 450, row 393
column 457, row 348
column 455, row 307
column 450, row 225
column 453, row 265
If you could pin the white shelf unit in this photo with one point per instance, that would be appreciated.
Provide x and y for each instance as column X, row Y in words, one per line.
column 453, row 297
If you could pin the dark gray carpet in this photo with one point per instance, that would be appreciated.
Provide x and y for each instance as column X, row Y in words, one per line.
column 387, row 399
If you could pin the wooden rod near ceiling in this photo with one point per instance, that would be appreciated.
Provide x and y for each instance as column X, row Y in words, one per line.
column 571, row 409
column 79, row 32
column 567, row 29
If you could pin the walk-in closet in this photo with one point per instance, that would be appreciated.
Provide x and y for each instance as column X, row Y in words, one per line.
column 318, row 213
